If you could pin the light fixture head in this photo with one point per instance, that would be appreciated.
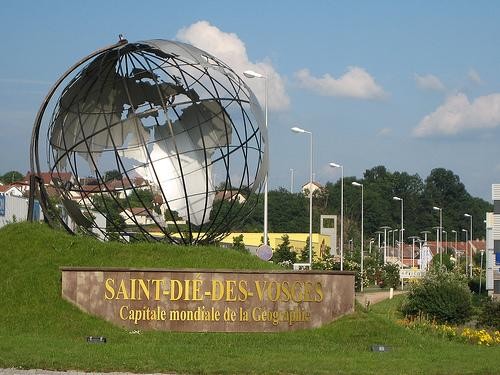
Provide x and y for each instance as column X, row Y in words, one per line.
column 354, row 183
column 335, row 165
column 397, row 198
column 296, row 129
column 464, row 230
column 467, row 215
column 436, row 208
column 252, row 74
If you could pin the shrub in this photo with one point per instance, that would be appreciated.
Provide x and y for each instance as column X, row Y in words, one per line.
column 390, row 276
column 443, row 296
column 474, row 285
column 489, row 315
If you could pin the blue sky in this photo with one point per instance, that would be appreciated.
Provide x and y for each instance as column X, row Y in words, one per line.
column 409, row 85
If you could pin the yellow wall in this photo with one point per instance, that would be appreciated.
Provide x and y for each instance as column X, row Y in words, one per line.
column 297, row 240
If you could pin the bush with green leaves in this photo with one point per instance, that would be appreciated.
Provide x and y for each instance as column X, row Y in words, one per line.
column 238, row 243
column 440, row 295
column 284, row 253
column 489, row 315
column 389, row 276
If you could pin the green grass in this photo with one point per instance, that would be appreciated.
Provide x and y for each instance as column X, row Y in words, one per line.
column 40, row 330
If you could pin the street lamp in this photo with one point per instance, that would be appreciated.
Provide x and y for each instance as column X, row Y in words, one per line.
column 379, row 233
column 402, row 228
column 471, row 239
column 425, row 233
column 393, row 241
column 481, row 270
column 456, row 248
column 335, row 165
column 296, row 129
column 413, row 238
column 354, row 183
column 385, row 228
column 252, row 74
column 440, row 235
column 372, row 240
column 466, row 247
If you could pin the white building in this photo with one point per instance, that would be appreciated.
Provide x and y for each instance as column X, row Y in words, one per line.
column 493, row 245
column 14, row 208
column 311, row 186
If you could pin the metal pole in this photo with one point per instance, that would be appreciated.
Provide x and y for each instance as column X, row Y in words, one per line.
column 342, row 218
column 252, row 74
column 362, row 236
column 402, row 232
column 385, row 228
column 311, row 203
column 266, row 241
column 291, row 180
column 335, row 165
column 481, row 271
column 466, row 248
column 441, row 236
column 471, row 239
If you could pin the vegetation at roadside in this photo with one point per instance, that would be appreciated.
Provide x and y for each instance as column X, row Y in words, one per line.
column 40, row 330
column 289, row 212
column 442, row 295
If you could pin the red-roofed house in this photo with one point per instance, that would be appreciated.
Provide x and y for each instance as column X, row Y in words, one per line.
column 11, row 190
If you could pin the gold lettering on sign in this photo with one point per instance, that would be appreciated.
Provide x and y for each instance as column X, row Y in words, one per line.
column 219, row 290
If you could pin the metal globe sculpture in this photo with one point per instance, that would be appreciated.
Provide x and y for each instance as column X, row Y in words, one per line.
column 154, row 140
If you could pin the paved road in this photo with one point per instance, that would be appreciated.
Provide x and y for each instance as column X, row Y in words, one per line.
column 374, row 297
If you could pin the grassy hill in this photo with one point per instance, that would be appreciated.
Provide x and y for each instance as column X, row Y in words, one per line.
column 40, row 330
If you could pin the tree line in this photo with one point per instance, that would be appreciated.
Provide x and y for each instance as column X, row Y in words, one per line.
column 288, row 212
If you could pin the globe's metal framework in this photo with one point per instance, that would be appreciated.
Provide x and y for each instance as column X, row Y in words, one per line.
column 183, row 130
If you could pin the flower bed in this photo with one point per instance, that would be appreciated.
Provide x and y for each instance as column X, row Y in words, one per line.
column 465, row 334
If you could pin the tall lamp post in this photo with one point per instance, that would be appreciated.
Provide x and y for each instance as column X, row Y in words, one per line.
column 425, row 233
column 402, row 228
column 445, row 240
column 354, row 183
column 456, row 248
column 385, row 228
column 481, row 270
column 439, row 236
column 296, row 129
column 379, row 233
column 413, row 238
column 393, row 241
column 471, row 238
column 252, row 74
column 466, row 247
column 335, row 165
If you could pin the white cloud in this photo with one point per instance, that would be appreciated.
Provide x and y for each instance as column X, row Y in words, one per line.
column 458, row 114
column 474, row 76
column 384, row 131
column 355, row 83
column 229, row 48
column 429, row 82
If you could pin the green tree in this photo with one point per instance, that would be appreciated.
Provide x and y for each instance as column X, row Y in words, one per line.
column 112, row 175
column 140, row 198
column 238, row 243
column 304, row 253
column 10, row 177
column 111, row 209
column 284, row 254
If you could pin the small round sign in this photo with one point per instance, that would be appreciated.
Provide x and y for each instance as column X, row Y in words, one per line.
column 265, row 252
